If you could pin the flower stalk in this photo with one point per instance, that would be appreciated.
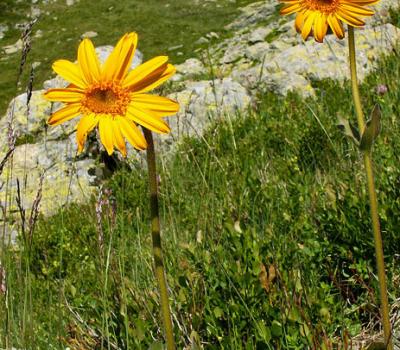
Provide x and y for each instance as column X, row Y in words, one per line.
column 156, row 237
column 368, row 164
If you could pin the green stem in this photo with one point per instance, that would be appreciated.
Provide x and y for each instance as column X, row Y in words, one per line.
column 373, row 202
column 157, row 248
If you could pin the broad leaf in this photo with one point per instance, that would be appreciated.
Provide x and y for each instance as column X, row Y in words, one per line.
column 371, row 130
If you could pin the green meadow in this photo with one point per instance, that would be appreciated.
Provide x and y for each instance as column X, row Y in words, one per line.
column 265, row 218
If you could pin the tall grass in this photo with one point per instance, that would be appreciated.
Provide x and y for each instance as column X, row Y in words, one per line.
column 265, row 231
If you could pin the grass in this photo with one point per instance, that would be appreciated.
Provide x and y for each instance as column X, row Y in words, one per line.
column 266, row 230
column 160, row 25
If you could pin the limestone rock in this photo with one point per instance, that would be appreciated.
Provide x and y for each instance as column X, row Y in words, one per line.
column 253, row 14
column 382, row 14
column 32, row 120
column 11, row 49
column 89, row 34
column 190, row 68
column 258, row 79
column 330, row 60
column 3, row 29
column 65, row 179
column 233, row 53
column 258, row 52
column 35, row 12
column 203, row 101
column 259, row 35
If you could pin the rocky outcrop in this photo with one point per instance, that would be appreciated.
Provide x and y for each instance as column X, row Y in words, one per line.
column 203, row 101
column 50, row 151
column 272, row 56
column 294, row 67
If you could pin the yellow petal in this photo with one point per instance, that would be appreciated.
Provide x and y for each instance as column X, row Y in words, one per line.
column 132, row 133
column 320, row 27
column 155, row 80
column 349, row 19
column 357, row 10
column 85, row 125
column 64, row 95
column 144, row 70
column 336, row 26
column 147, row 120
column 106, row 133
column 161, row 105
column 118, row 138
column 88, row 61
column 64, row 114
column 293, row 7
column 70, row 72
column 298, row 24
column 365, row 2
column 119, row 61
column 308, row 23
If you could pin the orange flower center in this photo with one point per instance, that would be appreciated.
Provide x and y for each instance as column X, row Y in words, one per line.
column 324, row 6
column 105, row 98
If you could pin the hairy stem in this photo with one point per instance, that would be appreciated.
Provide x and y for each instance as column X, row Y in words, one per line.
column 373, row 202
column 157, row 248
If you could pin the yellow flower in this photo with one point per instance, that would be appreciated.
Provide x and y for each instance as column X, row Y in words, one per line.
column 111, row 97
column 317, row 15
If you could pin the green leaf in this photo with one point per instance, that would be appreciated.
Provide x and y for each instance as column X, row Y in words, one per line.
column 371, row 130
column 218, row 312
column 276, row 328
column 156, row 346
column 195, row 341
column 264, row 331
column 348, row 129
column 72, row 289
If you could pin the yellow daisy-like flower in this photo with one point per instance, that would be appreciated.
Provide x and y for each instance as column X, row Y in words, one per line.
column 111, row 97
column 317, row 15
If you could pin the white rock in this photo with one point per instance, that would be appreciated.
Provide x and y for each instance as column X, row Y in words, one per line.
column 11, row 49
column 330, row 60
column 212, row 35
column 258, row 52
column 253, row 14
column 204, row 101
column 258, row 35
column 233, row 53
column 382, row 14
column 201, row 41
column 3, row 29
column 38, row 34
column 190, row 68
column 65, row 179
column 35, row 12
column 89, row 34
column 176, row 47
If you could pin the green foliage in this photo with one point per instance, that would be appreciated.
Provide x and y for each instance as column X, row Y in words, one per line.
column 266, row 230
